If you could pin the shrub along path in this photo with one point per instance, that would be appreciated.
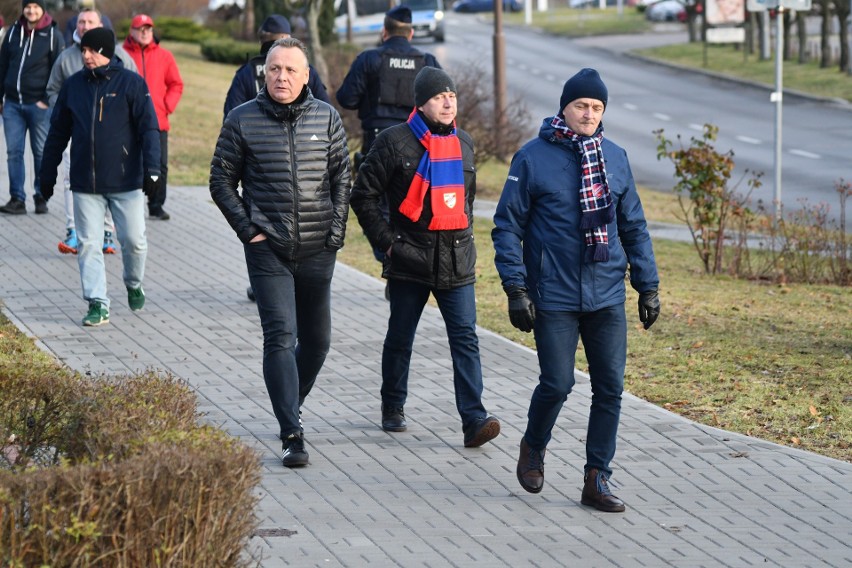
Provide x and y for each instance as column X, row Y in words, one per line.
column 696, row 496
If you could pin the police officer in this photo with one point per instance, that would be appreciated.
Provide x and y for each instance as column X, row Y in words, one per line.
column 250, row 77
column 380, row 83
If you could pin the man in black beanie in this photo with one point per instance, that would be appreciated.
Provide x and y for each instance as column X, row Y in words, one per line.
column 568, row 225
column 427, row 239
column 107, row 112
column 30, row 48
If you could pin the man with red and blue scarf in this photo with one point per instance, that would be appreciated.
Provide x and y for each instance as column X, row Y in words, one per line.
column 425, row 169
column 568, row 225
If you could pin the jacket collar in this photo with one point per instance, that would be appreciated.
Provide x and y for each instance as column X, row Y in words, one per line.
column 281, row 112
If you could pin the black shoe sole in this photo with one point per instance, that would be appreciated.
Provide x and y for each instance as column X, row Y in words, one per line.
column 296, row 461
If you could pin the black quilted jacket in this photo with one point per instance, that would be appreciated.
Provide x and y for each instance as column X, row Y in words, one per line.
column 293, row 164
column 441, row 259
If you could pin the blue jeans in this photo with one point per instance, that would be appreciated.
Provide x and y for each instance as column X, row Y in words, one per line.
column 128, row 212
column 604, row 334
column 294, row 304
column 458, row 308
column 17, row 120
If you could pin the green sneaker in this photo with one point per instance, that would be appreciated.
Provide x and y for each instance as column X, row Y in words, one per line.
column 98, row 314
column 135, row 298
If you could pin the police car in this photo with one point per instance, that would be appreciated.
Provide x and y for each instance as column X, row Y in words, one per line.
column 368, row 16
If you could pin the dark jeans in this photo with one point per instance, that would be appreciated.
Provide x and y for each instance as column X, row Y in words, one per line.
column 294, row 304
column 458, row 308
column 604, row 335
column 155, row 202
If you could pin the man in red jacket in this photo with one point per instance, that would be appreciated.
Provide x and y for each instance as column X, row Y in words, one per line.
column 157, row 65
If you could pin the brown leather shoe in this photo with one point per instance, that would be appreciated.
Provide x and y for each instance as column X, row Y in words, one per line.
column 531, row 468
column 596, row 493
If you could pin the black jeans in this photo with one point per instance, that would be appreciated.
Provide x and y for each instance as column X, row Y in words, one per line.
column 294, row 304
column 155, row 202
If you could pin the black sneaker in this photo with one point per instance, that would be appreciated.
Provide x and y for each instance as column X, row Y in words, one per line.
column 14, row 207
column 159, row 214
column 481, row 431
column 393, row 419
column 294, row 454
column 40, row 205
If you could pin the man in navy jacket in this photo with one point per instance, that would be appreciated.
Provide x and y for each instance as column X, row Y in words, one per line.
column 568, row 224
column 107, row 111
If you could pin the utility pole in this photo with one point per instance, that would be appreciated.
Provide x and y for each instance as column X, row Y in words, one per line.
column 499, row 68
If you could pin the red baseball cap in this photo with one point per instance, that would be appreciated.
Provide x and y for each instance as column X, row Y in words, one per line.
column 141, row 20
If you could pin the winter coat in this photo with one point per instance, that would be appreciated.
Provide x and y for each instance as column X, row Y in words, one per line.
column 537, row 237
column 361, row 87
column 70, row 61
column 244, row 86
column 292, row 162
column 440, row 259
column 159, row 68
column 26, row 59
column 108, row 113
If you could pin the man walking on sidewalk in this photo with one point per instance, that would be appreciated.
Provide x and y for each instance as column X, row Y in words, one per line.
column 568, row 224
column 157, row 65
column 29, row 50
column 106, row 112
column 428, row 241
column 288, row 152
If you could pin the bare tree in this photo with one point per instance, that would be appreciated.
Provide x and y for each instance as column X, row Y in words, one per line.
column 802, row 34
column 248, row 21
column 842, row 9
column 825, row 33
column 317, row 58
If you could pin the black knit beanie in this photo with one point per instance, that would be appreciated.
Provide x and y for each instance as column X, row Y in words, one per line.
column 101, row 40
column 431, row 81
column 586, row 84
column 39, row 2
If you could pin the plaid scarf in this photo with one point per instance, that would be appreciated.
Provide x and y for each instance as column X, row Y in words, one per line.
column 441, row 168
column 596, row 207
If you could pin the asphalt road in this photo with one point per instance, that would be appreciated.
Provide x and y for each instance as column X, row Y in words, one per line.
column 645, row 97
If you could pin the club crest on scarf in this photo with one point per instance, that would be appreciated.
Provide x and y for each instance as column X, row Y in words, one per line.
column 596, row 207
column 440, row 169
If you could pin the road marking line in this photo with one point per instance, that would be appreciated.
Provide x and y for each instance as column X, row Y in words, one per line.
column 629, row 106
column 806, row 154
column 699, row 127
column 661, row 116
column 749, row 140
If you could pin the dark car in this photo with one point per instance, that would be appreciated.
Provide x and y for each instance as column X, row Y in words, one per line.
column 470, row 6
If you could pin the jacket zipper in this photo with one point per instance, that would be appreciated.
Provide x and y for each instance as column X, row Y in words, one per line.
column 94, row 123
column 292, row 137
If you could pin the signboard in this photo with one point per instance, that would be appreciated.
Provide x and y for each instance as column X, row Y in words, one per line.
column 761, row 5
column 725, row 35
column 727, row 12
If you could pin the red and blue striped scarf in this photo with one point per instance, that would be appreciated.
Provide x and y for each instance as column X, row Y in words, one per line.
column 596, row 208
column 441, row 170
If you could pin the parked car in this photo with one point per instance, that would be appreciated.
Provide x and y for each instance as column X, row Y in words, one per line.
column 469, row 6
column 666, row 11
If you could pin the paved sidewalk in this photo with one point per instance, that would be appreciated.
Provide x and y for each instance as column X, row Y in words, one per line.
column 696, row 496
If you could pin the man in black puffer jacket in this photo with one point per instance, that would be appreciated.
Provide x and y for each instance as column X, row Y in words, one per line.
column 425, row 170
column 288, row 151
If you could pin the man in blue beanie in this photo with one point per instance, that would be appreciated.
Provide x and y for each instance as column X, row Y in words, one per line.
column 568, row 225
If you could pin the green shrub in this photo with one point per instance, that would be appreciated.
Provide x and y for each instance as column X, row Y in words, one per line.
column 222, row 50
column 171, row 28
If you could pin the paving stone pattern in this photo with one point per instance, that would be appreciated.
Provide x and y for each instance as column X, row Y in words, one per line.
column 696, row 496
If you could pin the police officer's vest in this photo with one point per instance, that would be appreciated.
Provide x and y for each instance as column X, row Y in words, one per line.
column 257, row 64
column 396, row 78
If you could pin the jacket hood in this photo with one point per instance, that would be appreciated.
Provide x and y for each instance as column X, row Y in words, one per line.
column 45, row 21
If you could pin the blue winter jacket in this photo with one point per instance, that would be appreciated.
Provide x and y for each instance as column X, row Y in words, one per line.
column 537, row 237
column 116, row 138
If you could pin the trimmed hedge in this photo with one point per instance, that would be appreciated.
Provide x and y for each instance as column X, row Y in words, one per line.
column 117, row 471
column 224, row 50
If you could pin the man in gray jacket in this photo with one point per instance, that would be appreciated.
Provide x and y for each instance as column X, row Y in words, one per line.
column 288, row 152
column 69, row 62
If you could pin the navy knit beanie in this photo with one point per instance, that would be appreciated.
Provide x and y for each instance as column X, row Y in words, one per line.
column 39, row 2
column 431, row 81
column 586, row 84
column 100, row 40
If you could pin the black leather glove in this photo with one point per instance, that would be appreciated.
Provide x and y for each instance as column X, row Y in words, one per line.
column 521, row 308
column 151, row 185
column 649, row 307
